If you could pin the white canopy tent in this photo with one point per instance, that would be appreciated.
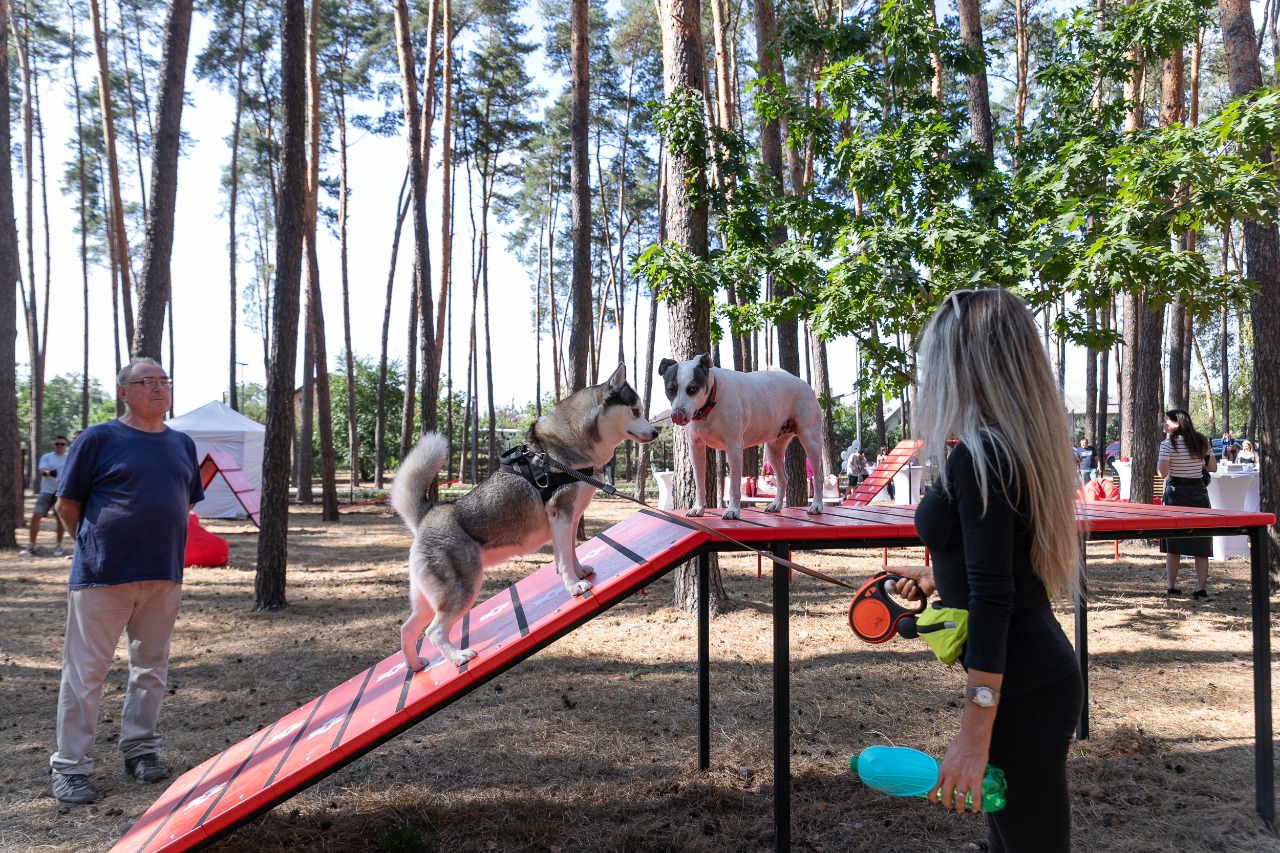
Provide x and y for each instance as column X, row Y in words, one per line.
column 218, row 428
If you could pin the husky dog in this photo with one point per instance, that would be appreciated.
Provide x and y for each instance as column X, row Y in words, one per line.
column 728, row 410
column 514, row 511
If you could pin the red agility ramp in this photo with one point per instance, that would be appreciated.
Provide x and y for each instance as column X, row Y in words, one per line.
column 882, row 475
column 226, row 465
column 338, row 726
column 383, row 701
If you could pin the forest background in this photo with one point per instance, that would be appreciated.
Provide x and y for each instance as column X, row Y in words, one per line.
column 780, row 178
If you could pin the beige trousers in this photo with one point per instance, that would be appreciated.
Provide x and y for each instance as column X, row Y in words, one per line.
column 145, row 612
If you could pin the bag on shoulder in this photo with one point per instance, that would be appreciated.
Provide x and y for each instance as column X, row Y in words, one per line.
column 1205, row 479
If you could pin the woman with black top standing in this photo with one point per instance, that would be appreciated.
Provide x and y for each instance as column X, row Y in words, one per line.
column 1184, row 457
column 1000, row 524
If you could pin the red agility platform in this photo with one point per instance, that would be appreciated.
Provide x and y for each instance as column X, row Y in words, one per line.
column 385, row 700
column 226, row 465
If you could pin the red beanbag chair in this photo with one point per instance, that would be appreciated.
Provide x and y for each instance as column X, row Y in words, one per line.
column 203, row 548
column 1101, row 489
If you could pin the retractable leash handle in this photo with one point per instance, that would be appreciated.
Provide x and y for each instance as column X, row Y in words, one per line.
column 875, row 617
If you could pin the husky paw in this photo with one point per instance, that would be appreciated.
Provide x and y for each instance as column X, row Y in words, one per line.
column 581, row 572
column 581, row 587
column 815, row 508
column 413, row 662
column 773, row 506
column 696, row 510
column 731, row 515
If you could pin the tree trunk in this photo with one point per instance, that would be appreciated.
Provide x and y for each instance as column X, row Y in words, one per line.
column 418, row 187
column 1022, row 50
column 81, row 179
column 1262, row 249
column 446, row 163
column 1172, row 92
column 119, row 242
column 269, row 583
column 822, row 385
column 35, row 354
column 980, row 132
column 156, row 272
column 233, row 197
column 12, row 511
column 380, row 428
column 580, row 201
column 689, row 320
column 353, row 434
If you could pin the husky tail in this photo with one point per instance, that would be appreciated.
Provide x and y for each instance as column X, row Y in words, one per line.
column 417, row 470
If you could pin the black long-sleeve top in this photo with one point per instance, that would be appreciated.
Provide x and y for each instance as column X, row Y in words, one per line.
column 982, row 563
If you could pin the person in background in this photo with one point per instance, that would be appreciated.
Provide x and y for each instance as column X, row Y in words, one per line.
column 1247, row 454
column 1085, row 460
column 1185, row 456
column 1229, row 441
column 1000, row 525
column 126, row 490
column 881, row 457
column 50, row 468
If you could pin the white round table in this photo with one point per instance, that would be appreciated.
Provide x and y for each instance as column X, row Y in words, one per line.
column 1233, row 489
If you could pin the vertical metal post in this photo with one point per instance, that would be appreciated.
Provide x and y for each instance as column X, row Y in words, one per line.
column 781, row 703
column 1263, row 746
column 704, row 663
column 1082, row 642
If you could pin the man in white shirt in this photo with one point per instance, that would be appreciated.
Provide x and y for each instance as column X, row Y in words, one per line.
column 50, row 473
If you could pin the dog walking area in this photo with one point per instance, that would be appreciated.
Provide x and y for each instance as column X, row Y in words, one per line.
column 342, row 724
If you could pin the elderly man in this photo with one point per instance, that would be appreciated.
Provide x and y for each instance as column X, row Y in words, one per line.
column 126, row 490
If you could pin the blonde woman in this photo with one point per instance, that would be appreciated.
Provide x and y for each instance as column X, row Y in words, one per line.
column 1247, row 453
column 1000, row 524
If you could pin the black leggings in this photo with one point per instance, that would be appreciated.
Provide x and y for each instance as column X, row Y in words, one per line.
column 1029, row 743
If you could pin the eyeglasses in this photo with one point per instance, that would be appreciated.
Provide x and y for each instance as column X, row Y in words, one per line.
column 152, row 382
column 59, row 444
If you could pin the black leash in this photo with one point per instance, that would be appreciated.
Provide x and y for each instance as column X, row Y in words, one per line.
column 547, row 461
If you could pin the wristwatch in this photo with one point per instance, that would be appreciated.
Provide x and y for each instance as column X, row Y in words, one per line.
column 982, row 696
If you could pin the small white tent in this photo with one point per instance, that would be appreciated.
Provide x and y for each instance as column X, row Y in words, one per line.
column 217, row 428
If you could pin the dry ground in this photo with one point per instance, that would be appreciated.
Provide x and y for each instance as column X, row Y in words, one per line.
column 590, row 744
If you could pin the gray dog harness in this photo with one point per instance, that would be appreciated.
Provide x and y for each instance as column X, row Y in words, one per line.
column 532, row 466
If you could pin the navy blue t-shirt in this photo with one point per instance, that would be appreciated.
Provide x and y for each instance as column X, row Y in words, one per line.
column 135, row 488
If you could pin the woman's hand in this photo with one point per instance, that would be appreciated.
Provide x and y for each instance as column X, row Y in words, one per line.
column 962, row 769
column 917, row 582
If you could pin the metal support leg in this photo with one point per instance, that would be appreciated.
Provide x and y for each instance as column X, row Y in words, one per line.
column 781, row 704
column 1264, row 748
column 1082, row 643
column 704, row 663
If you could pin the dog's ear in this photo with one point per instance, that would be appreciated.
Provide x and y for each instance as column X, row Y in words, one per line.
column 619, row 378
column 664, row 364
column 705, row 361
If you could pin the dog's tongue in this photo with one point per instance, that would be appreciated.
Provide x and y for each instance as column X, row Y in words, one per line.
column 679, row 417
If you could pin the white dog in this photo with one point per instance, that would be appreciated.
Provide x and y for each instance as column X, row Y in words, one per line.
column 729, row 411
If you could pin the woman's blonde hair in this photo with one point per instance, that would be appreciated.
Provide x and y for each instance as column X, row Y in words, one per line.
column 985, row 380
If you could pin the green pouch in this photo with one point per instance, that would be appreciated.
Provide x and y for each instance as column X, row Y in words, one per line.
column 945, row 629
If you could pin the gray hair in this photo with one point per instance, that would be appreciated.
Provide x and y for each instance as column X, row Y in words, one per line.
column 986, row 381
column 123, row 376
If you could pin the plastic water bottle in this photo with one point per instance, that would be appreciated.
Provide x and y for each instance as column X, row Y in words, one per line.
column 905, row 772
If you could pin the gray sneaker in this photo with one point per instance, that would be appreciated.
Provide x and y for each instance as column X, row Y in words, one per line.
column 146, row 768
column 72, row 789
column 56, row 552
column 28, row 549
